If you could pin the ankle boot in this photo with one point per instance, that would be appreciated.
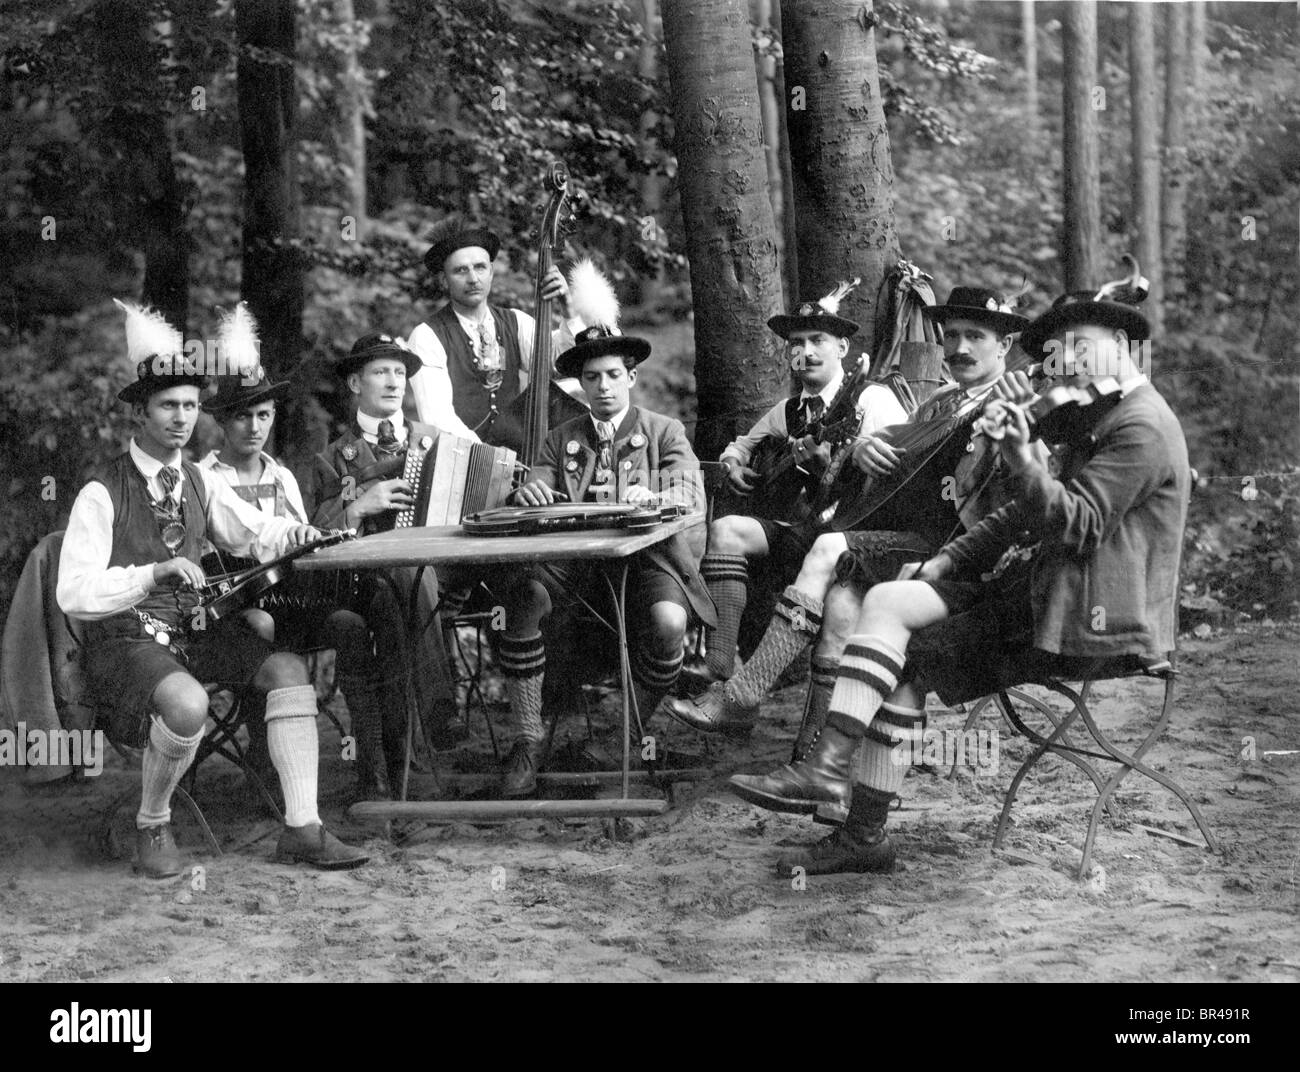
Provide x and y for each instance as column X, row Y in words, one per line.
column 818, row 784
column 859, row 846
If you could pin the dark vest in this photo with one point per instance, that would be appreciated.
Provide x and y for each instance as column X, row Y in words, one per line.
column 137, row 541
column 471, row 400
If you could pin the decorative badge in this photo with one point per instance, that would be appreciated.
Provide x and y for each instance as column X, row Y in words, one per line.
column 571, row 447
column 604, row 476
column 349, row 453
column 638, row 440
column 806, row 309
column 426, row 442
column 991, row 305
column 627, row 464
column 571, row 465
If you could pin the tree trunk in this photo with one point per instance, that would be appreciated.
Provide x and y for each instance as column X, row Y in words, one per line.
column 786, row 218
column 149, row 193
column 1196, row 47
column 273, row 266
column 839, row 153
column 730, row 232
column 1029, row 34
column 1173, row 206
column 1146, row 152
column 1081, row 167
column 777, row 161
column 352, row 120
column 651, row 190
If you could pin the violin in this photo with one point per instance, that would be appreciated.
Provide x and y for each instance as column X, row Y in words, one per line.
column 230, row 593
column 1060, row 414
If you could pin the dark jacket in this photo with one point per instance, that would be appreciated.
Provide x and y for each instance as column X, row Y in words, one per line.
column 1105, row 579
column 650, row 450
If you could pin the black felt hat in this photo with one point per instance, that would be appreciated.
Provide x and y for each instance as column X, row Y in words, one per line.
column 372, row 346
column 599, row 341
column 812, row 316
column 159, row 373
column 1082, row 307
column 980, row 305
column 454, row 234
column 157, row 349
column 234, row 395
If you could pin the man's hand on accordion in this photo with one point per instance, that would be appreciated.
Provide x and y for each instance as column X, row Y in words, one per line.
column 379, row 497
column 874, row 455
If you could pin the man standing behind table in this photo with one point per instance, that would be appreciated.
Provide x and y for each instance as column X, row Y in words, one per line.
column 475, row 357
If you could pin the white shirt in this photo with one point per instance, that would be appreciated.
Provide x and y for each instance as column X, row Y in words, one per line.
column 272, row 473
column 90, row 589
column 431, row 386
column 877, row 405
column 370, row 426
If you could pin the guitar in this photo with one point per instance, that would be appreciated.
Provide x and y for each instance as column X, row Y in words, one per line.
column 228, row 594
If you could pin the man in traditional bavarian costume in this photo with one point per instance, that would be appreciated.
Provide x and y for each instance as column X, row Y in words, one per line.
column 476, row 357
column 619, row 453
column 817, row 341
column 129, row 567
column 1103, row 535
column 963, row 484
column 357, row 483
column 245, row 408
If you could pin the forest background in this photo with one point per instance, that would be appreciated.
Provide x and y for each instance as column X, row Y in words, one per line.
column 128, row 142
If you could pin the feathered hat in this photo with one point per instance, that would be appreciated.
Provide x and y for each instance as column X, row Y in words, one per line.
column 592, row 300
column 819, row 315
column 157, row 351
column 1110, row 306
column 982, row 305
column 453, row 233
column 244, row 384
column 373, row 346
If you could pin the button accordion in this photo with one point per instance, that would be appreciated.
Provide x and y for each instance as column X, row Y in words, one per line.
column 453, row 477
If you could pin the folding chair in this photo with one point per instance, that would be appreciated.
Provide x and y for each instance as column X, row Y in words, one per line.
column 1031, row 668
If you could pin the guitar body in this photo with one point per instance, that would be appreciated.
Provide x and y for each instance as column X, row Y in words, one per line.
column 779, row 493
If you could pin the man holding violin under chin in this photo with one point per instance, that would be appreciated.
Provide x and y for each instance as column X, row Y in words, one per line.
column 128, row 568
column 1079, row 567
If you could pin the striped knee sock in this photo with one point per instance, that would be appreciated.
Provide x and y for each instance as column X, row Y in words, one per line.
column 166, row 759
column 727, row 579
column 653, row 675
column 892, row 745
column 869, row 671
column 295, row 750
column 523, row 664
column 796, row 623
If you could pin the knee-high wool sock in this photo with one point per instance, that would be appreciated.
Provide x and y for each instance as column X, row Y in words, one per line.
column 523, row 664
column 166, row 759
column 727, row 579
column 869, row 671
column 295, row 750
column 796, row 623
column 652, row 677
column 892, row 745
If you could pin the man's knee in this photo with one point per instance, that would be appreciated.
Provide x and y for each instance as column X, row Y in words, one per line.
column 527, row 604
column 736, row 534
column 347, row 633
column 259, row 623
column 282, row 670
column 181, row 702
column 821, row 559
column 840, row 612
column 667, row 626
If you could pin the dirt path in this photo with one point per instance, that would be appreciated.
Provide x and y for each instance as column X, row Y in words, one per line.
column 693, row 894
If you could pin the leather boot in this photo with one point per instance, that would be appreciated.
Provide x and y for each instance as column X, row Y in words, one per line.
column 814, row 719
column 696, row 677
column 156, row 854
column 818, row 784
column 715, row 711
column 519, row 775
column 860, row 846
column 317, row 846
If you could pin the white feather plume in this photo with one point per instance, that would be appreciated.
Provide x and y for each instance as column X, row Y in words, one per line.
column 148, row 333
column 831, row 303
column 591, row 298
column 238, row 341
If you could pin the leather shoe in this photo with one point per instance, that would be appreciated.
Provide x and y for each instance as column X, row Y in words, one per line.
column 696, row 676
column 519, row 775
column 817, row 785
column 847, row 849
column 715, row 711
column 317, row 846
column 156, row 854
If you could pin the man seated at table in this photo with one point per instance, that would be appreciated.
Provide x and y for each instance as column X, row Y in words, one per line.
column 1079, row 571
column 129, row 567
column 619, row 453
column 357, row 483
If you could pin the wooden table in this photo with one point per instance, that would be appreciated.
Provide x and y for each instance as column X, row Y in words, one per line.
column 448, row 546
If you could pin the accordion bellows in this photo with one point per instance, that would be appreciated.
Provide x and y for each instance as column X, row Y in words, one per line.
column 452, row 477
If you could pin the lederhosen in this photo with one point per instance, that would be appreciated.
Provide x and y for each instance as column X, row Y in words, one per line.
column 122, row 663
column 474, row 403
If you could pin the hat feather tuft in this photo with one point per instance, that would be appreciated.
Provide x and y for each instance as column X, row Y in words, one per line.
column 238, row 341
column 591, row 297
column 831, row 303
column 1131, row 290
column 148, row 334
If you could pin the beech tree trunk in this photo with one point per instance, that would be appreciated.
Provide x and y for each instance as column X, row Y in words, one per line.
column 1029, row 34
column 740, row 369
column 839, row 153
column 1081, row 168
column 1146, row 153
column 352, row 121
column 1173, row 206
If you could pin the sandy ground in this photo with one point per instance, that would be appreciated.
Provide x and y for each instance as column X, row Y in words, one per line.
column 694, row 895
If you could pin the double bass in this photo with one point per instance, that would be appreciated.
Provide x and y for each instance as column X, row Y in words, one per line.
column 529, row 417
